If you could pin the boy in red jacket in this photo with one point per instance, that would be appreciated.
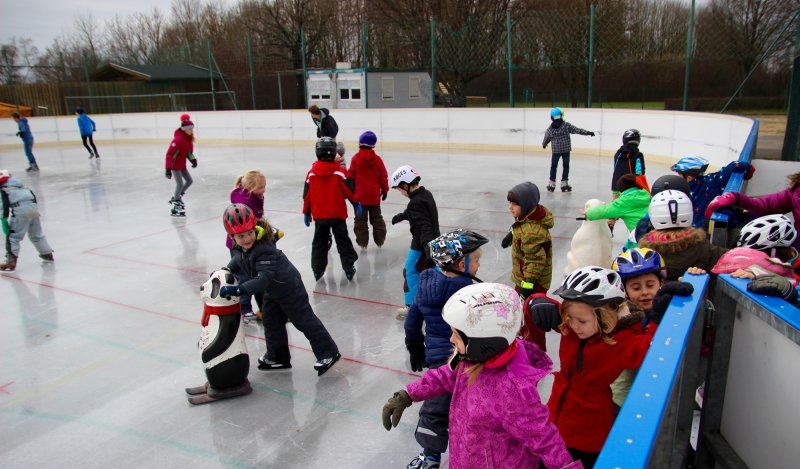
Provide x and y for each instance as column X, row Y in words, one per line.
column 372, row 185
column 326, row 188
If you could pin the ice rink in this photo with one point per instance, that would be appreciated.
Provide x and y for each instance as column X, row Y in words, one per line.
column 98, row 347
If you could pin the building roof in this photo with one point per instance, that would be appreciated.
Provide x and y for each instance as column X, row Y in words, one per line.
column 167, row 72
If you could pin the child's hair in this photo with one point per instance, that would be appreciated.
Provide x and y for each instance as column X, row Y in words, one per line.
column 512, row 197
column 251, row 180
column 794, row 179
column 626, row 182
column 606, row 318
column 313, row 109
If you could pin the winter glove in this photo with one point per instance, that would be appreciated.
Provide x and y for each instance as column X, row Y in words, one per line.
column 591, row 134
column 728, row 198
column 168, row 174
column 307, row 219
column 506, row 242
column 398, row 218
column 772, row 285
column 194, row 162
column 543, row 311
column 416, row 349
column 664, row 296
column 20, row 135
column 393, row 409
column 384, row 195
column 525, row 289
column 229, row 291
column 358, row 209
column 544, row 145
column 5, row 226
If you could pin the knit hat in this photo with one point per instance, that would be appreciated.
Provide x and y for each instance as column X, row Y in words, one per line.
column 528, row 196
column 185, row 117
column 186, row 124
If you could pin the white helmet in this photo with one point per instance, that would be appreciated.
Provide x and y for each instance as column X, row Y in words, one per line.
column 670, row 209
column 405, row 174
column 770, row 231
column 487, row 316
column 593, row 285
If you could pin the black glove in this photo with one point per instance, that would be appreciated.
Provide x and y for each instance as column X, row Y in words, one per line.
column 416, row 349
column 524, row 293
column 774, row 285
column 544, row 145
column 20, row 135
column 664, row 296
column 397, row 218
column 384, row 195
column 168, row 174
column 544, row 312
column 393, row 409
column 506, row 242
column 591, row 134
column 194, row 162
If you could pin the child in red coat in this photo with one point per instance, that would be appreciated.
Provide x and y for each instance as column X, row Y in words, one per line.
column 372, row 185
column 180, row 150
column 600, row 339
column 326, row 189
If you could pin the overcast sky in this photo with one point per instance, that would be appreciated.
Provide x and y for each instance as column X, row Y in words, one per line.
column 44, row 20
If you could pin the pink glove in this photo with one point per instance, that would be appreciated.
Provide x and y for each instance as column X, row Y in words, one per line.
column 728, row 198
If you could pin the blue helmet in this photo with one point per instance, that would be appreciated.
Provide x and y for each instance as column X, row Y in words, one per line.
column 556, row 113
column 691, row 165
column 638, row 261
column 368, row 139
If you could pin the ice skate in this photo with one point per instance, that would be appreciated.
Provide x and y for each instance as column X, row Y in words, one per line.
column 47, row 257
column 91, row 155
column 425, row 461
column 551, row 186
column 32, row 168
column 10, row 265
column 325, row 364
column 249, row 317
column 565, row 187
column 318, row 275
column 265, row 363
column 178, row 209
column 350, row 273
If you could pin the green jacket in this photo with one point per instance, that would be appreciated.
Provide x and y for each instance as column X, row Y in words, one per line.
column 631, row 206
column 532, row 248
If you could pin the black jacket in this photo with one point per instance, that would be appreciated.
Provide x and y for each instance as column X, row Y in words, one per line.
column 326, row 126
column 423, row 218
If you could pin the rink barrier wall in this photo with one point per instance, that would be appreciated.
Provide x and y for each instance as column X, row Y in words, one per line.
column 750, row 406
column 666, row 135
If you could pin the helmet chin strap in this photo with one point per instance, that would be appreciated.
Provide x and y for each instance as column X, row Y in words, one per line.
column 465, row 273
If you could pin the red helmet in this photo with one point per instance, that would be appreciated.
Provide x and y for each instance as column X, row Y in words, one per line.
column 238, row 218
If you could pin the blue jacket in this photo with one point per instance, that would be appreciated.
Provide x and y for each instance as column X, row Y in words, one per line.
column 434, row 289
column 705, row 188
column 86, row 124
column 24, row 129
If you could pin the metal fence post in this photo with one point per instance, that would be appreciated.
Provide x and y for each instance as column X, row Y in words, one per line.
column 510, row 62
column 791, row 141
column 211, row 77
column 689, row 41
column 252, row 76
column 88, row 79
column 305, row 71
column 365, row 62
column 434, row 85
column 591, row 57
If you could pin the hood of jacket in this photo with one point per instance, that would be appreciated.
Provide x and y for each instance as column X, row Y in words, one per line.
column 540, row 364
column 325, row 168
column 541, row 215
column 13, row 182
column 629, row 317
column 527, row 194
column 673, row 240
column 367, row 157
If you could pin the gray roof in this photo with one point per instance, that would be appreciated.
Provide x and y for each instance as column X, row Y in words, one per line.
column 159, row 72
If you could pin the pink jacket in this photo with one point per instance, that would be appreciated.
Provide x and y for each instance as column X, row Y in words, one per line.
column 498, row 421
column 785, row 201
column 179, row 150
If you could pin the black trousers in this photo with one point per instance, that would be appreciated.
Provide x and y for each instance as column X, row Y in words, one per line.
column 319, row 246
column 84, row 138
column 432, row 429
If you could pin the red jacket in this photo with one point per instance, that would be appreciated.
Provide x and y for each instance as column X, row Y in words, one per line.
column 580, row 404
column 369, row 173
column 326, row 190
column 181, row 147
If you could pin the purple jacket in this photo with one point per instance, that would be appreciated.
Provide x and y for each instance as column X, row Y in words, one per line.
column 255, row 202
column 785, row 201
column 498, row 421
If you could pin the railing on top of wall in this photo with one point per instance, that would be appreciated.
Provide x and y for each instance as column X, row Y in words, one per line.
column 718, row 223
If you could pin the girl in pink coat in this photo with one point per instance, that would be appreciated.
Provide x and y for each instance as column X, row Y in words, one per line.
column 497, row 419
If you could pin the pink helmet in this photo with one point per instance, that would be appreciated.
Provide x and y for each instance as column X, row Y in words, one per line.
column 738, row 258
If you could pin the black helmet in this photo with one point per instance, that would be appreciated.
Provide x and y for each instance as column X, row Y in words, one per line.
column 631, row 136
column 450, row 247
column 326, row 149
column 670, row 182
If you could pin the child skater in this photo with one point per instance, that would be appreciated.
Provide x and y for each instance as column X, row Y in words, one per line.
column 628, row 160
column 597, row 343
column 275, row 279
column 249, row 190
column 497, row 419
column 324, row 195
column 631, row 205
column 20, row 217
column 423, row 221
column 559, row 134
column 87, row 128
column 642, row 272
column 372, row 185
column 457, row 256
column 180, row 150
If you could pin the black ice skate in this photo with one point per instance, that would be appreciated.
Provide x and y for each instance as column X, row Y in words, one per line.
column 178, row 209
column 325, row 364
column 551, row 186
column 265, row 363
column 565, row 187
